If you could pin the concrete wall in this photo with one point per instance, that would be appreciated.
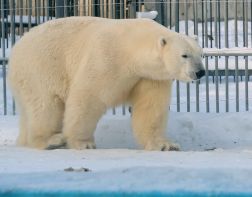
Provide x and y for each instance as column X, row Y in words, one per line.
column 170, row 11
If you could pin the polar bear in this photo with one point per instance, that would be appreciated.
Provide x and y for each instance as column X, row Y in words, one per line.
column 65, row 74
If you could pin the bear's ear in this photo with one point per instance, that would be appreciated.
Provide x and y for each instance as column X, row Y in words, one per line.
column 162, row 42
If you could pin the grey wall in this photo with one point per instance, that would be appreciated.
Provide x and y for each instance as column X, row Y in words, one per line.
column 168, row 9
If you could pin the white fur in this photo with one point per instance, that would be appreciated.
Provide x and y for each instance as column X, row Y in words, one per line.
column 66, row 73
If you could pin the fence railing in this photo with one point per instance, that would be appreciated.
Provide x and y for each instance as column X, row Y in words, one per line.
column 219, row 24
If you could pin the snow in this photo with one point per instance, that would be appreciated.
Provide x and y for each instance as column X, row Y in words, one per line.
column 216, row 157
column 150, row 15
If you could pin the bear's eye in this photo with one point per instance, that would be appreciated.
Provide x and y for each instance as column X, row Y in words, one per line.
column 185, row 56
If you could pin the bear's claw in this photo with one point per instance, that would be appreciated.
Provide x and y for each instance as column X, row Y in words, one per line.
column 162, row 145
column 171, row 147
column 80, row 145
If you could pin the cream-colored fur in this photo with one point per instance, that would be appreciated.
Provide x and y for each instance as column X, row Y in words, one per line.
column 66, row 73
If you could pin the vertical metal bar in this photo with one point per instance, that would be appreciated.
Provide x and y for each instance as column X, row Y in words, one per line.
column 177, row 30
column 251, row 23
column 236, row 25
column 84, row 7
column 170, row 15
column 211, row 24
column 39, row 11
column 105, row 9
column 65, row 8
column 43, row 8
column 217, row 84
column 207, row 85
column 123, row 110
column 132, row 7
column 243, row 24
column 3, row 55
column 196, row 19
column 115, row 8
column 6, row 14
column 202, row 19
column 36, row 11
column 101, row 8
column 90, row 8
column 109, row 9
column 47, row 10
column 178, row 95
column 59, row 8
column 226, row 58
column 186, row 31
column 89, row 5
column 162, row 14
column 206, row 58
column 96, row 8
column 246, row 58
column 177, row 16
column 219, row 22
column 21, row 25
column 216, row 58
column 12, row 25
column 76, row 6
column 121, row 9
column 196, row 32
column 236, row 61
column 29, row 14
column 12, row 30
column 186, row 17
column 126, row 10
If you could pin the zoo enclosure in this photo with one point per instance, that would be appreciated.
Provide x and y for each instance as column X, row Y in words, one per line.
column 217, row 23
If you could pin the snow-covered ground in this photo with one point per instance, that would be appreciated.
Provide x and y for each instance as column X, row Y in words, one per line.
column 216, row 159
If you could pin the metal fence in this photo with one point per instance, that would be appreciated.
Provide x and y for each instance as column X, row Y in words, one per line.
column 219, row 24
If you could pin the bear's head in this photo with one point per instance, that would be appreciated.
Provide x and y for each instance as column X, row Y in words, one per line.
column 178, row 57
column 182, row 57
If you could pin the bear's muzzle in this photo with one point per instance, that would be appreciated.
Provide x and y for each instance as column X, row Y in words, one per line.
column 200, row 74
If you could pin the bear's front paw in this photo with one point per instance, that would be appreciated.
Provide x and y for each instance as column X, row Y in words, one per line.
column 161, row 145
column 81, row 144
column 56, row 141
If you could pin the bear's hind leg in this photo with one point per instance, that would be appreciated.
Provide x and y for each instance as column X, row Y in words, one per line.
column 22, row 136
column 150, row 100
column 45, row 120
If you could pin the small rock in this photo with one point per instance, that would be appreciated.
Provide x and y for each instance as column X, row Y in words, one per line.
column 70, row 169
column 210, row 149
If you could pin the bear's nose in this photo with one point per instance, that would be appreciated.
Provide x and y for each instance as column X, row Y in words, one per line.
column 200, row 74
